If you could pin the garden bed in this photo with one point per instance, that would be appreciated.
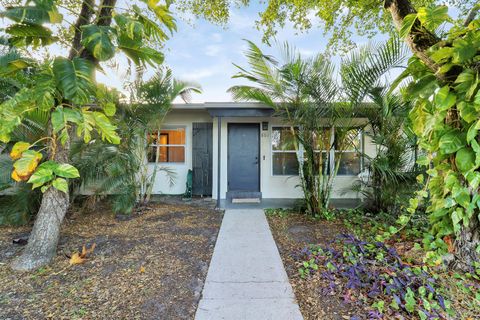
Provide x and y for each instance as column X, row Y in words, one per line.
column 292, row 232
column 339, row 271
column 151, row 266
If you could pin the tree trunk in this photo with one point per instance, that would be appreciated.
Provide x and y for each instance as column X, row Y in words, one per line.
column 465, row 245
column 43, row 240
column 420, row 40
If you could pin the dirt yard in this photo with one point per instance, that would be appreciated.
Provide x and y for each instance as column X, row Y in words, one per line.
column 292, row 233
column 151, row 266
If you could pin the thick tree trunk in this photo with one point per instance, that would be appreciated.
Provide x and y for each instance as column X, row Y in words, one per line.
column 43, row 240
column 466, row 244
column 420, row 40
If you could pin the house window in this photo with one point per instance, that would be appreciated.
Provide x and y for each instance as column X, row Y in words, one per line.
column 167, row 145
column 349, row 148
column 284, row 155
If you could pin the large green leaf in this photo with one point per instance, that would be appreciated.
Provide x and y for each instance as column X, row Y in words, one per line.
column 12, row 62
column 424, row 87
column 28, row 14
column 66, row 170
column 462, row 197
column 106, row 129
column 467, row 111
column 432, row 17
column 444, row 99
column 44, row 11
column 465, row 159
column 60, row 184
column 45, row 90
column 463, row 50
column 96, row 39
column 11, row 111
column 25, row 35
column 139, row 53
column 96, row 120
column 473, row 178
column 85, row 126
column 442, row 54
column 40, row 177
column 130, row 27
column 465, row 81
column 407, row 25
column 451, row 142
column 473, row 131
column 151, row 28
column 162, row 13
column 74, row 79
column 61, row 117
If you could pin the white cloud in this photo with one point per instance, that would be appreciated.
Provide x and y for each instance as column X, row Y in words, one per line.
column 216, row 37
column 213, row 50
column 202, row 73
column 306, row 52
column 240, row 22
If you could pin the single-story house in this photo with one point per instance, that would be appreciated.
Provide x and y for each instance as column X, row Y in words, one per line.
column 237, row 150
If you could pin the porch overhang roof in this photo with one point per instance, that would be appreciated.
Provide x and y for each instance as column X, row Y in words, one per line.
column 240, row 112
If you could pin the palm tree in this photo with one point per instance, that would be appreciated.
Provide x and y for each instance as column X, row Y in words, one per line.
column 122, row 171
column 305, row 93
column 117, row 171
column 390, row 171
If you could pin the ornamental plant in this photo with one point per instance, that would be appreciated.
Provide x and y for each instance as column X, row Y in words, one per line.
column 65, row 89
column 446, row 93
column 373, row 275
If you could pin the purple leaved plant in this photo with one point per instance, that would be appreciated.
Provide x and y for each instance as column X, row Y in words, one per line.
column 378, row 273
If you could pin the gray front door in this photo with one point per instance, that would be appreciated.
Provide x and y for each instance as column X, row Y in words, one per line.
column 243, row 157
column 202, row 147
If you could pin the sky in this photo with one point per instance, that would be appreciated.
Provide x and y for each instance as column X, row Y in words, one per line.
column 204, row 53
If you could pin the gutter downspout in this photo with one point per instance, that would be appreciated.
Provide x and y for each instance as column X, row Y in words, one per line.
column 219, row 141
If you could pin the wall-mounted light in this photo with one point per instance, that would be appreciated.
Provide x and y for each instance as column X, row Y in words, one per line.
column 265, row 126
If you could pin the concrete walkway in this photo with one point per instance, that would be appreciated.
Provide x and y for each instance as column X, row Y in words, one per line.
column 246, row 278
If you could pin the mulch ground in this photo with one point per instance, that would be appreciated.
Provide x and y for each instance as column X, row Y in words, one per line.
column 152, row 266
column 294, row 232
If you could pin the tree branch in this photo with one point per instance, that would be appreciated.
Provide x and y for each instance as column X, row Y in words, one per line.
column 471, row 14
column 420, row 39
column 104, row 18
column 84, row 18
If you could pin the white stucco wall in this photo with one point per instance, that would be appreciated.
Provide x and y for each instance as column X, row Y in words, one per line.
column 181, row 118
column 271, row 186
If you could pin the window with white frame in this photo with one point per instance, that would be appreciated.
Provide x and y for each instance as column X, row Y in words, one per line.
column 285, row 157
column 350, row 150
column 167, row 145
column 284, row 154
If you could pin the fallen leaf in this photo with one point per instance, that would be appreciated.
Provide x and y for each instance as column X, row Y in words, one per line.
column 76, row 259
column 448, row 240
column 79, row 258
column 142, row 269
